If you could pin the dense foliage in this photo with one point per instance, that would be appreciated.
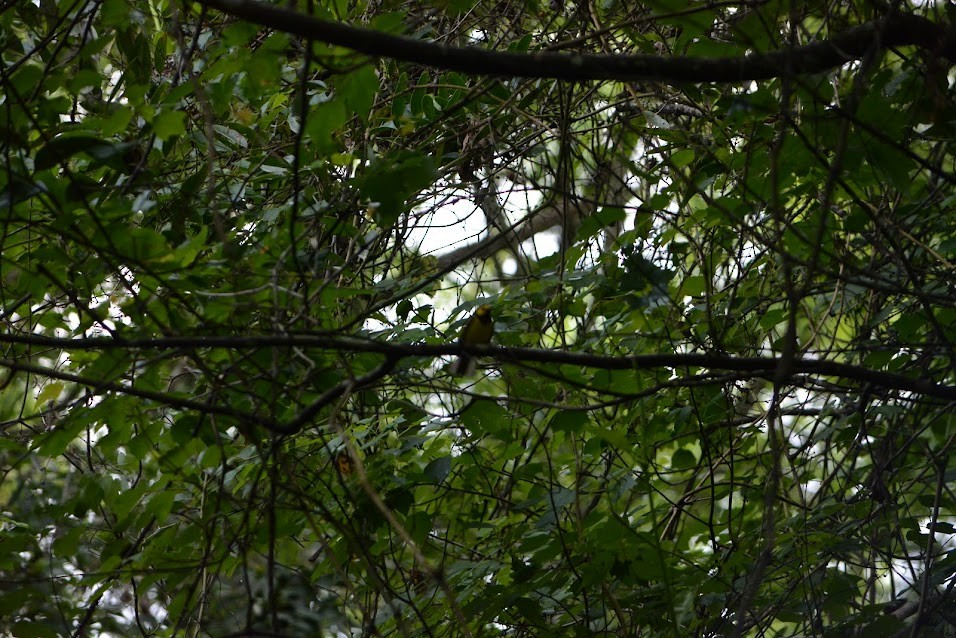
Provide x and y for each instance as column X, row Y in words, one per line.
column 238, row 246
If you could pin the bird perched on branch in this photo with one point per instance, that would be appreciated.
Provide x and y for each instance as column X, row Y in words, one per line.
column 477, row 331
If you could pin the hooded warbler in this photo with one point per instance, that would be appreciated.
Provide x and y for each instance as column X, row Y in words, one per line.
column 477, row 331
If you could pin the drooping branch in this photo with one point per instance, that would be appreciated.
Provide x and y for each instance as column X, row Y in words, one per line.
column 853, row 44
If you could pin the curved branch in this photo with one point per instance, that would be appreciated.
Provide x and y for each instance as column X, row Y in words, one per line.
column 162, row 398
column 853, row 44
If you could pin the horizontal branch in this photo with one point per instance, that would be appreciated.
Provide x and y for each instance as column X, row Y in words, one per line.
column 758, row 366
column 853, row 44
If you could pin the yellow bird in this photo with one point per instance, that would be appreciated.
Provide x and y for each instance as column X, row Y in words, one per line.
column 477, row 331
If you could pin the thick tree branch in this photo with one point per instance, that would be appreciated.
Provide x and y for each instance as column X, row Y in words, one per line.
column 853, row 44
column 758, row 366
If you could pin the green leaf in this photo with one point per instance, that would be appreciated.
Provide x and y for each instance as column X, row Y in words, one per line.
column 67, row 544
column 391, row 181
column 569, row 421
column 359, row 89
column 682, row 157
column 60, row 149
column 28, row 629
column 16, row 600
column 169, row 123
column 56, row 442
column 487, row 417
column 438, row 469
column 615, row 438
column 683, row 459
column 141, row 245
column 602, row 218
column 324, row 120
column 50, row 392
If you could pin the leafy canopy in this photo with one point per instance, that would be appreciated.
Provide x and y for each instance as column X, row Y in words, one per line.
column 238, row 246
